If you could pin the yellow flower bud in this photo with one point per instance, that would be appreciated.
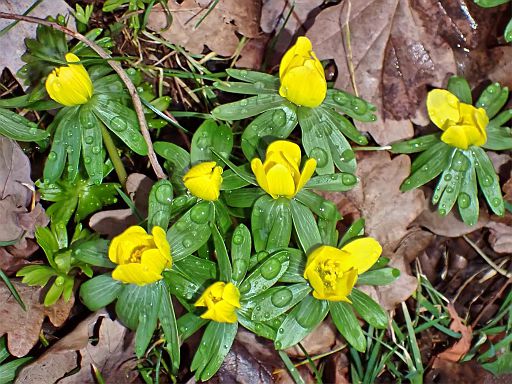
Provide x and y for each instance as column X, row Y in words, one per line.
column 203, row 180
column 141, row 257
column 279, row 175
column 69, row 85
column 332, row 272
column 463, row 124
column 302, row 75
column 221, row 301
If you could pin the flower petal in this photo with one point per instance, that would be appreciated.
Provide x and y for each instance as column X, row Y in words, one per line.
column 290, row 149
column 360, row 254
column 443, row 107
column 259, row 173
column 303, row 86
column 302, row 47
column 160, row 239
column 135, row 274
column 231, row 295
column 153, row 260
column 280, row 182
column 456, row 135
column 122, row 245
column 344, row 286
column 305, row 175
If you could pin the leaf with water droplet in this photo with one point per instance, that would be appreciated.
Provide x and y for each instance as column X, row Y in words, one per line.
column 277, row 300
column 488, row 181
column 210, row 134
column 17, row 127
column 351, row 105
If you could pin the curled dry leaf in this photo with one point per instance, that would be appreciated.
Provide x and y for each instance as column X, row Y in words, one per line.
column 113, row 222
column 218, row 30
column 112, row 355
column 22, row 328
column 394, row 58
column 320, row 340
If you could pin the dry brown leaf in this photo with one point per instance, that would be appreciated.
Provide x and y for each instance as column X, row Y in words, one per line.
column 500, row 236
column 394, row 58
column 320, row 340
column 13, row 257
column 113, row 222
column 218, row 31
column 13, row 42
column 462, row 346
column 22, row 328
column 113, row 355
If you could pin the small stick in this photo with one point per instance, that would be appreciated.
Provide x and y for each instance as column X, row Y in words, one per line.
column 116, row 67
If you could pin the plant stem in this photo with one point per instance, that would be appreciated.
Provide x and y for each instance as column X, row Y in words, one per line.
column 114, row 156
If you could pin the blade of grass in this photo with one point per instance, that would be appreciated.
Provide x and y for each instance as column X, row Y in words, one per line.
column 291, row 368
column 13, row 290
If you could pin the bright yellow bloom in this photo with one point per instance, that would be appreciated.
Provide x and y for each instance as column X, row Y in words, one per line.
column 463, row 124
column 141, row 258
column 332, row 272
column 69, row 85
column 302, row 75
column 203, row 180
column 279, row 175
column 221, row 300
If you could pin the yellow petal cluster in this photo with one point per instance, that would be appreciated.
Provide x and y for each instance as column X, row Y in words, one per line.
column 70, row 84
column 279, row 175
column 332, row 272
column 221, row 300
column 141, row 257
column 463, row 124
column 302, row 75
column 203, row 180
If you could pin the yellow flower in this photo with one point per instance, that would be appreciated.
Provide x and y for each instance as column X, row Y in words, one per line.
column 332, row 272
column 221, row 301
column 69, row 85
column 279, row 175
column 203, row 180
column 141, row 258
column 302, row 75
column 463, row 124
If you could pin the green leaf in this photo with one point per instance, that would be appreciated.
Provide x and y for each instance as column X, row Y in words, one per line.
column 488, row 180
column 428, row 165
column 499, row 138
column 188, row 324
column 383, row 276
column 267, row 330
column 92, row 143
column 240, row 253
column 94, row 252
column 222, row 255
column 271, row 223
column 337, row 182
column 121, row 120
column 301, row 321
column 231, row 180
column 54, row 292
column 48, row 243
column 191, row 230
column 8, row 370
column 460, row 88
column 501, row 366
column 346, row 321
column 100, row 291
column 351, row 105
column 215, row 345
column 508, row 32
column 159, row 205
column 296, row 267
column 243, row 198
column 177, row 158
column 210, row 134
column 269, row 81
column 356, row 229
column 490, row 3
column 368, row 309
column 449, row 196
column 275, row 124
column 170, row 327
column 17, row 127
column 418, row 144
column 189, row 276
column 36, row 275
column 468, row 197
column 277, row 300
column 492, row 99
column 148, row 317
column 258, row 88
column 265, row 275
column 13, row 291
column 248, row 107
column 305, row 226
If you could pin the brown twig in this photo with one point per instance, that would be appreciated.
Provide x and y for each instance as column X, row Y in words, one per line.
column 116, row 67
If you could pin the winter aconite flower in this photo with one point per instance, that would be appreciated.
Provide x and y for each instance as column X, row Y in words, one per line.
column 332, row 272
column 463, row 124
column 302, row 75
column 70, row 84
column 203, row 180
column 279, row 175
column 141, row 257
column 221, row 300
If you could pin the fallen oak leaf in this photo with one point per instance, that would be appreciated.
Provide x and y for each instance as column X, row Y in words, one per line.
column 462, row 346
column 22, row 327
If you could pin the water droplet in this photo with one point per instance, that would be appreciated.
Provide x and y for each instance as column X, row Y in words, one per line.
column 243, row 102
column 464, row 200
column 239, row 269
column 348, row 179
column 260, row 256
column 181, row 225
column 180, row 201
column 320, row 156
column 70, row 168
column 270, row 269
column 460, row 162
column 259, row 85
column 203, row 143
column 305, row 319
column 449, row 189
column 200, row 213
column 163, row 194
column 340, row 98
column 278, row 118
column 347, row 155
column 425, row 168
column 187, row 243
column 69, row 149
column 327, row 209
column 442, row 212
column 243, row 72
column 282, row 297
column 117, row 124
column 238, row 239
column 59, row 281
column 359, row 106
column 448, row 177
column 496, row 201
column 487, row 181
column 32, row 131
column 96, row 150
column 52, row 156
column 245, row 287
